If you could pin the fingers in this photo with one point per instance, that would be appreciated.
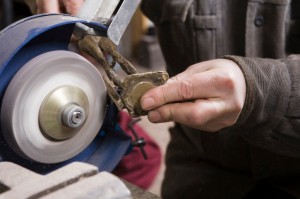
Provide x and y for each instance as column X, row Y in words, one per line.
column 46, row 6
column 207, row 96
column 207, row 84
column 72, row 7
column 198, row 114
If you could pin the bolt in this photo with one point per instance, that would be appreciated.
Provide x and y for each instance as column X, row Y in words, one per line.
column 76, row 117
column 73, row 116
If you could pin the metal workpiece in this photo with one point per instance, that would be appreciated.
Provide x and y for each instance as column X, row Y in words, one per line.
column 136, row 85
column 127, row 93
column 116, row 15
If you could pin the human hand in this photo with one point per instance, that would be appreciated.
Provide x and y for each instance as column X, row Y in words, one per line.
column 208, row 96
column 71, row 7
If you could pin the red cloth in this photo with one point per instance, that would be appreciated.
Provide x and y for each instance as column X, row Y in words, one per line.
column 133, row 167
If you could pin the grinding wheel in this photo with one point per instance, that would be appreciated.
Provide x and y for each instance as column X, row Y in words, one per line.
column 53, row 107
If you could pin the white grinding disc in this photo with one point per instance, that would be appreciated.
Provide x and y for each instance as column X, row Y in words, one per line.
column 25, row 94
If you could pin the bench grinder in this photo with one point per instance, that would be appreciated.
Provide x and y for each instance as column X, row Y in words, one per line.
column 54, row 103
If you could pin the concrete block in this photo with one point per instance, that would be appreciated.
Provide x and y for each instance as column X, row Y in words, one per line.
column 76, row 180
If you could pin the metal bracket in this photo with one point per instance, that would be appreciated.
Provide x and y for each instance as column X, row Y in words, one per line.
column 121, row 20
column 115, row 14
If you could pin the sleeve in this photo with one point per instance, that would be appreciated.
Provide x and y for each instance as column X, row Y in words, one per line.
column 32, row 5
column 271, row 115
column 152, row 9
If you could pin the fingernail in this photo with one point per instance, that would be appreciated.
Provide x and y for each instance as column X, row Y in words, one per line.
column 154, row 116
column 147, row 103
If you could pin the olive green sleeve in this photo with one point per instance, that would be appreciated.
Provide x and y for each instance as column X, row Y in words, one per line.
column 32, row 5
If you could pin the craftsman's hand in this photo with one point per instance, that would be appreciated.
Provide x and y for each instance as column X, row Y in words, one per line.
column 207, row 96
column 59, row 6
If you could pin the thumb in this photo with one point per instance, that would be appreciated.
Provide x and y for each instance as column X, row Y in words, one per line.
column 44, row 6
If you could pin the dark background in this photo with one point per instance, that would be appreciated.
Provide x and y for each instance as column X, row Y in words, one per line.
column 12, row 10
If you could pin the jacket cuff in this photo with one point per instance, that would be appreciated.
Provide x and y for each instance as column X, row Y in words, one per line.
column 268, row 88
column 249, row 89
